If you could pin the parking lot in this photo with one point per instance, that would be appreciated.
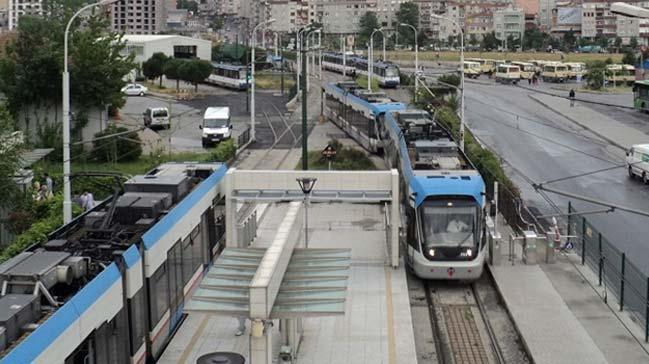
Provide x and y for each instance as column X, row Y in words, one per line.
column 186, row 115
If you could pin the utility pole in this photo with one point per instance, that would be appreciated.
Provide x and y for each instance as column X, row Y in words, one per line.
column 305, row 156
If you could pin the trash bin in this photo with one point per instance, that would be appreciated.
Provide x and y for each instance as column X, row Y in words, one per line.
column 221, row 357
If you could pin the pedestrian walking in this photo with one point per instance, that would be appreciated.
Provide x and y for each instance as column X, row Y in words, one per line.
column 572, row 97
column 90, row 201
column 82, row 200
column 49, row 183
column 529, row 81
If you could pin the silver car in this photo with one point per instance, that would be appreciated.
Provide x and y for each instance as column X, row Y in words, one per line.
column 135, row 89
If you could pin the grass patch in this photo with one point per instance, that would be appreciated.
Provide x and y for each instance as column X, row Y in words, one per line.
column 155, row 87
column 273, row 81
column 347, row 159
column 361, row 81
column 455, row 56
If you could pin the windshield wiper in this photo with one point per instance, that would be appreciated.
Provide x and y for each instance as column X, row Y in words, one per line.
column 468, row 236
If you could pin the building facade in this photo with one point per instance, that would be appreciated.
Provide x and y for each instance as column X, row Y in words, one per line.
column 139, row 16
column 18, row 8
column 342, row 16
column 509, row 23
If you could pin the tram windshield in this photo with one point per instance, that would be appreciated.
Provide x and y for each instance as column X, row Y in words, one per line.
column 391, row 72
column 449, row 223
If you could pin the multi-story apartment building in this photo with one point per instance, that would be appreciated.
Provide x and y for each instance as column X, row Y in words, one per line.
column 509, row 23
column 290, row 15
column 475, row 16
column 139, row 16
column 228, row 7
column 342, row 16
column 18, row 8
column 545, row 14
column 567, row 17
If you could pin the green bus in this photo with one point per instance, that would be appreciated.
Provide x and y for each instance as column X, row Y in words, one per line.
column 641, row 95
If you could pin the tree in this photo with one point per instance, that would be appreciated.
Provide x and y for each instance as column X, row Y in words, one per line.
column 473, row 40
column 11, row 148
column 451, row 40
column 367, row 23
column 195, row 71
column 408, row 14
column 629, row 58
column 154, row 66
column 172, row 70
column 490, row 42
column 633, row 43
column 187, row 4
column 617, row 43
column 30, row 72
column 217, row 23
column 118, row 148
column 569, row 39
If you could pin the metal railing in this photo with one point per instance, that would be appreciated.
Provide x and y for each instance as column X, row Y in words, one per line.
column 243, row 138
column 613, row 268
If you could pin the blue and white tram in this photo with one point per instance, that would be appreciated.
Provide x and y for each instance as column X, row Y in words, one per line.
column 132, row 261
column 443, row 193
column 334, row 62
column 229, row 75
column 356, row 111
column 445, row 201
column 386, row 73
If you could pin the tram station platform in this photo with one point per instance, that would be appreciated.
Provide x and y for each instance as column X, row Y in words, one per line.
column 560, row 314
column 377, row 324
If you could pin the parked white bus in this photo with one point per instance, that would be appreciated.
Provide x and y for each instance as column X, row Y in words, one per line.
column 637, row 161
column 506, row 73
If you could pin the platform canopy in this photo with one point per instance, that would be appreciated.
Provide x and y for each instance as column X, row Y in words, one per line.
column 314, row 284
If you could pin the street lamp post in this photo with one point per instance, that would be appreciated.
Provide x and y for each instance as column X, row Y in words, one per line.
column 461, row 77
column 416, row 57
column 252, row 77
column 306, row 184
column 67, row 190
column 305, row 156
column 370, row 57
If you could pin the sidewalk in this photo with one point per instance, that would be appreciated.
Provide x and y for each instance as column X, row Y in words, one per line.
column 601, row 125
column 561, row 319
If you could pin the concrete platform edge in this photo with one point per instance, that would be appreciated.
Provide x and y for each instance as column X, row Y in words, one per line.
column 509, row 314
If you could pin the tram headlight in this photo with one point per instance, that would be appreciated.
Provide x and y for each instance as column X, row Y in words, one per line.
column 431, row 252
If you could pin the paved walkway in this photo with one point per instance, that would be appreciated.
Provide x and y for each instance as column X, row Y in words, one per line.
column 377, row 325
column 607, row 128
column 560, row 317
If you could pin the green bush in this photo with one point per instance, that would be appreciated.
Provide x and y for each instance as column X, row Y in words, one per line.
column 224, row 151
column 347, row 159
column 120, row 148
column 48, row 216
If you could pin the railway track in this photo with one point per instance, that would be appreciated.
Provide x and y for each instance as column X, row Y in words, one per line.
column 470, row 325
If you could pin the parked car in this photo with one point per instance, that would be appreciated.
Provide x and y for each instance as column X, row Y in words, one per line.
column 157, row 117
column 135, row 89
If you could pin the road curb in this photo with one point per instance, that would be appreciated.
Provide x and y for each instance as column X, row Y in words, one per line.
column 468, row 80
column 604, row 137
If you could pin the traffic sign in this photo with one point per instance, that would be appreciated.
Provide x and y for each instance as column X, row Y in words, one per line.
column 329, row 152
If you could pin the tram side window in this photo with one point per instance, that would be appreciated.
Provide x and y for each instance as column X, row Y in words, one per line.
column 411, row 234
column 136, row 320
column 159, row 293
column 188, row 269
column 109, row 345
column 197, row 241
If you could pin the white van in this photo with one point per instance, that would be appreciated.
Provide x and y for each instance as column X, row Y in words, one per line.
column 156, row 117
column 637, row 161
column 216, row 125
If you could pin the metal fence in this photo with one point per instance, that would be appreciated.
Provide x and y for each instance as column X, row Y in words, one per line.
column 613, row 268
column 243, row 138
